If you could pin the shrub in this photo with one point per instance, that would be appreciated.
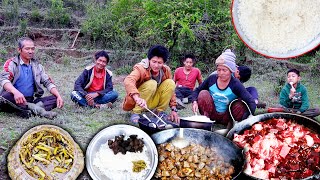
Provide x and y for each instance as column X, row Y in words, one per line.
column 57, row 15
column 35, row 16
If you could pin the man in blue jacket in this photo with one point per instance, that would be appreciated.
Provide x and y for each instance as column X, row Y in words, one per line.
column 94, row 86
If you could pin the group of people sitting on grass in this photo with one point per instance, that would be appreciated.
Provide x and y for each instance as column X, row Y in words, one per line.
column 221, row 96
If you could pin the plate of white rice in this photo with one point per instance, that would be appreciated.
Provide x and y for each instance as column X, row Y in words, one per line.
column 103, row 164
column 278, row 28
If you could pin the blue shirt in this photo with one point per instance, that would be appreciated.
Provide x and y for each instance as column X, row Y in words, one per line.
column 221, row 97
column 25, row 82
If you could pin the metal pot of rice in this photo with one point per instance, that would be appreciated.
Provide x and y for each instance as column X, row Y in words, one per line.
column 45, row 152
column 277, row 29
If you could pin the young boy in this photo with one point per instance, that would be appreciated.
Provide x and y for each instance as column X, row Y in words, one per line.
column 294, row 97
column 185, row 78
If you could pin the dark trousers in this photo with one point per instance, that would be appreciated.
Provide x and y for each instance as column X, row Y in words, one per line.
column 206, row 107
column 49, row 102
column 253, row 91
column 183, row 92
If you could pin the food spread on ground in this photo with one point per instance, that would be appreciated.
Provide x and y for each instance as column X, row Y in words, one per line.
column 192, row 162
column 124, row 157
column 46, row 155
column 279, row 148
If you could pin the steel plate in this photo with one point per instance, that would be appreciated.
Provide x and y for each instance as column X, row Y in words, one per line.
column 109, row 133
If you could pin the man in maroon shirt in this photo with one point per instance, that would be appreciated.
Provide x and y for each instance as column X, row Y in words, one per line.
column 185, row 78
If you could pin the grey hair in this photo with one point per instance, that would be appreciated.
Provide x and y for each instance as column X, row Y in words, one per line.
column 21, row 40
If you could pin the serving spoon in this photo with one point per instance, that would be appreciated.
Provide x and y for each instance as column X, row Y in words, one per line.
column 166, row 126
column 150, row 124
column 179, row 141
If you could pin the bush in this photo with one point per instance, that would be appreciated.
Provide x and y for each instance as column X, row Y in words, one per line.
column 57, row 15
column 183, row 26
column 35, row 16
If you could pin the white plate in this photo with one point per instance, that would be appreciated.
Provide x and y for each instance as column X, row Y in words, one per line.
column 109, row 133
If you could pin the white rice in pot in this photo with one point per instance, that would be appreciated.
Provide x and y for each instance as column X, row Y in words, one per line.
column 119, row 166
column 279, row 26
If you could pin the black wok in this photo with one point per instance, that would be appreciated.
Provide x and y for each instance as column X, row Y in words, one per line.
column 230, row 152
column 240, row 127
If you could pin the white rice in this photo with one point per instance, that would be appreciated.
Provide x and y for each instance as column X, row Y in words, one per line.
column 279, row 26
column 119, row 166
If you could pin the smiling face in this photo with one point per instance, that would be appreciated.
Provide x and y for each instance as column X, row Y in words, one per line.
column 156, row 63
column 27, row 50
column 293, row 77
column 101, row 62
column 224, row 73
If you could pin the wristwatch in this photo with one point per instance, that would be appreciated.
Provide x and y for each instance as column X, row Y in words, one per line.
column 174, row 109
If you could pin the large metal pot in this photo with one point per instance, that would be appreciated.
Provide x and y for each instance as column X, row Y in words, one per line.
column 240, row 127
column 230, row 152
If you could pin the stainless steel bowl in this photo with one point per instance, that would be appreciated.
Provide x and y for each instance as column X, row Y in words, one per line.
column 290, row 54
column 109, row 133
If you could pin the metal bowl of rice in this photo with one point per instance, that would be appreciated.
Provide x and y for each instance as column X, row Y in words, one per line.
column 101, row 162
column 277, row 29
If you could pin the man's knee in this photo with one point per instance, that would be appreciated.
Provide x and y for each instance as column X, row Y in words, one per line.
column 204, row 94
column 75, row 96
column 114, row 94
column 148, row 86
column 169, row 83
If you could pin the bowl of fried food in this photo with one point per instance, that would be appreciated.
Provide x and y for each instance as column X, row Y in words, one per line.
column 45, row 152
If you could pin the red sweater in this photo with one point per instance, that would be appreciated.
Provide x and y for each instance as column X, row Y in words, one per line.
column 187, row 80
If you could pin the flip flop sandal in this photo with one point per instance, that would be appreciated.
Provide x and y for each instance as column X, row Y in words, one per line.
column 135, row 118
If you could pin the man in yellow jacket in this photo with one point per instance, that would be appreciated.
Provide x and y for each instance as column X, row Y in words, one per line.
column 150, row 85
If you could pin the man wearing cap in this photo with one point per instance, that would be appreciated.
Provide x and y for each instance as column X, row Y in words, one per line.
column 213, row 97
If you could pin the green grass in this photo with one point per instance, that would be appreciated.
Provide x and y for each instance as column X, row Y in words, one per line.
column 84, row 123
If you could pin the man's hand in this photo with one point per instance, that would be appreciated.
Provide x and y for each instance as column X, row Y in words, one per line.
column 90, row 98
column 139, row 101
column 292, row 91
column 60, row 102
column 195, row 107
column 174, row 117
column 19, row 97
column 55, row 92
